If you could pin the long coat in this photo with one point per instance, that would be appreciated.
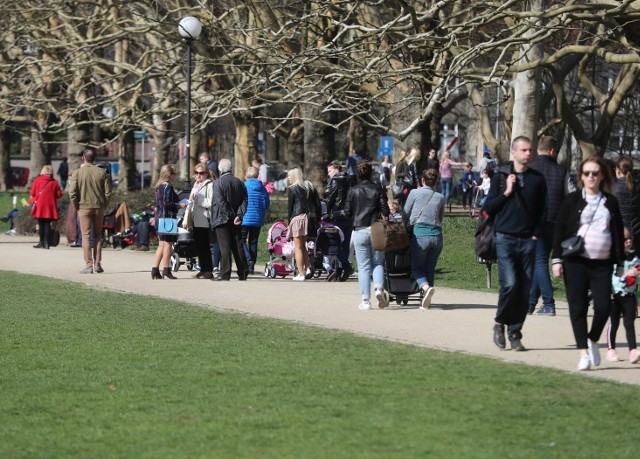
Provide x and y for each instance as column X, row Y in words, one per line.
column 44, row 193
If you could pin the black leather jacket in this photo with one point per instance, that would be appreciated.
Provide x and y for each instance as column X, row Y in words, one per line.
column 336, row 195
column 303, row 201
column 366, row 202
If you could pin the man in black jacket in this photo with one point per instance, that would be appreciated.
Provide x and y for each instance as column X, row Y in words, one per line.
column 559, row 184
column 335, row 197
column 518, row 201
column 228, row 208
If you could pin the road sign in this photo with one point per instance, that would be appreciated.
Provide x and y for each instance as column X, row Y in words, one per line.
column 140, row 135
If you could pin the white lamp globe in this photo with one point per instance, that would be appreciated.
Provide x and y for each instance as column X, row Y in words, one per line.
column 190, row 28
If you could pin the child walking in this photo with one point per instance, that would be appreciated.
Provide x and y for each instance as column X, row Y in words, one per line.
column 624, row 303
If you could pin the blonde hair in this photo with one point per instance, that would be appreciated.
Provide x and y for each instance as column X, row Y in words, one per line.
column 296, row 177
column 204, row 168
column 165, row 174
column 47, row 170
column 252, row 172
column 414, row 155
column 445, row 156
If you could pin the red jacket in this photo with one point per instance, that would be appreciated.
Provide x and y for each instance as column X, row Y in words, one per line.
column 46, row 206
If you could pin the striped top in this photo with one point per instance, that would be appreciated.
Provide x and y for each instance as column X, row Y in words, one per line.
column 597, row 235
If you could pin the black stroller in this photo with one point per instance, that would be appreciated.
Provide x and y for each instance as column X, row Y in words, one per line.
column 399, row 282
column 184, row 249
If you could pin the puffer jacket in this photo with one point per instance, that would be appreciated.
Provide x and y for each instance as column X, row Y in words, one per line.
column 629, row 202
column 257, row 203
column 366, row 203
column 336, row 194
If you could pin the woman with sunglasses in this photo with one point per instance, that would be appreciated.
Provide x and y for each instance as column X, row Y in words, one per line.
column 592, row 213
column 198, row 218
column 167, row 205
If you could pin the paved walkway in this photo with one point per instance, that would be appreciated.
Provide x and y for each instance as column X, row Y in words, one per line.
column 458, row 320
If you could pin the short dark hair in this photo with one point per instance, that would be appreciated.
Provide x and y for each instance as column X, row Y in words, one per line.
column 335, row 164
column 89, row 155
column 363, row 170
column 547, row 143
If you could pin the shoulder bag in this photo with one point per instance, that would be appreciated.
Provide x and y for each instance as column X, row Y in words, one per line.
column 167, row 226
column 573, row 246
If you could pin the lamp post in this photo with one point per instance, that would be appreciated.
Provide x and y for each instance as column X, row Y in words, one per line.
column 190, row 29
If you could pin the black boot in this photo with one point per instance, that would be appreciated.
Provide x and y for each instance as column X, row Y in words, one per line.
column 166, row 272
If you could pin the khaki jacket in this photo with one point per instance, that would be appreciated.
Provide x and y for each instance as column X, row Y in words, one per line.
column 90, row 188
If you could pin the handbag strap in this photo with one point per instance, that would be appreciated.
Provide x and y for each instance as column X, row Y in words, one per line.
column 44, row 187
column 425, row 205
column 594, row 214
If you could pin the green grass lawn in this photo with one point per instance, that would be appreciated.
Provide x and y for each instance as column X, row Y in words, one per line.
column 89, row 373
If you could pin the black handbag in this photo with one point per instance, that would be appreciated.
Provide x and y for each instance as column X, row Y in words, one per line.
column 572, row 247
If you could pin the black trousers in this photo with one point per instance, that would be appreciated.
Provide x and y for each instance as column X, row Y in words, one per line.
column 44, row 227
column 580, row 276
column 203, row 247
column 230, row 241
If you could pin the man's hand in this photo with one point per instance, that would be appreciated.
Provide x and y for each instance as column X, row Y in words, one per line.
column 237, row 221
column 511, row 180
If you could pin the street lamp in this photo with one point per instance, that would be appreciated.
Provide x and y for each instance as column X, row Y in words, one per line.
column 190, row 29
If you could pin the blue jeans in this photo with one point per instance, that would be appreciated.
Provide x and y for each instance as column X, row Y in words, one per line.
column 445, row 183
column 516, row 257
column 541, row 283
column 250, row 247
column 425, row 251
column 369, row 262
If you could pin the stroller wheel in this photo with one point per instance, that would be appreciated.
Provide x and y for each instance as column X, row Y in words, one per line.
column 175, row 262
column 273, row 272
column 266, row 271
column 191, row 263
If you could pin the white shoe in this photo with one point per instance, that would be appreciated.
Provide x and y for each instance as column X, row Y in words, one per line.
column 381, row 296
column 299, row 277
column 584, row 363
column 594, row 353
column 365, row 305
column 426, row 298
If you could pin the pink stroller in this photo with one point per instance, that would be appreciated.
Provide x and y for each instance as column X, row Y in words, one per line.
column 280, row 252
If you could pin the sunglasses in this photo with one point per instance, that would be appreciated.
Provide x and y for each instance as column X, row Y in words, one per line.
column 591, row 173
column 173, row 173
column 200, row 173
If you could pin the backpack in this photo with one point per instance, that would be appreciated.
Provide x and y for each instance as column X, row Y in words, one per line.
column 491, row 167
column 485, row 243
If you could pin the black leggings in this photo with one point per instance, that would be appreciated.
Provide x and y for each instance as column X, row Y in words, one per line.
column 580, row 276
column 44, row 227
column 625, row 305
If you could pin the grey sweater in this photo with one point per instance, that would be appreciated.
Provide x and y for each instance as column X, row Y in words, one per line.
column 432, row 214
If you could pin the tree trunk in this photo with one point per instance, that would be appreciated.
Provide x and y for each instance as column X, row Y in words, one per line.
column 5, row 159
column 319, row 140
column 127, row 161
column 527, row 86
column 246, row 146
column 77, row 141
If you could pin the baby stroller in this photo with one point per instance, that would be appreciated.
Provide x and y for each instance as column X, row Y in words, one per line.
column 399, row 282
column 280, row 252
column 326, row 249
column 184, row 247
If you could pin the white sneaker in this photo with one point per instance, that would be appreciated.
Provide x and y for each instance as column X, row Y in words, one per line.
column 594, row 353
column 365, row 305
column 381, row 296
column 584, row 363
column 299, row 277
column 426, row 298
